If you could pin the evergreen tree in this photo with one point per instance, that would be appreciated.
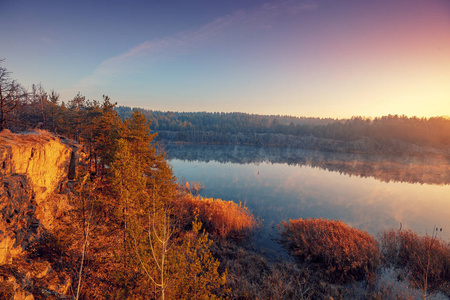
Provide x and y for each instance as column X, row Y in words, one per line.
column 107, row 129
column 199, row 277
column 76, row 115
column 158, row 172
column 127, row 182
column 52, row 111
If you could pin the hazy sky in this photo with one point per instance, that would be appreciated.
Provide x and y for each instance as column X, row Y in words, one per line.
column 330, row 58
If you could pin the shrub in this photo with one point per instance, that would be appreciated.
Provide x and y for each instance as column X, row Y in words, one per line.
column 225, row 219
column 343, row 254
column 426, row 259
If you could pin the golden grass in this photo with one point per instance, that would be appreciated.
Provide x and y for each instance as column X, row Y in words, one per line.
column 220, row 218
column 36, row 136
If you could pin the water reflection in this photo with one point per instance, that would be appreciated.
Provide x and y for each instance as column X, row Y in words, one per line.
column 386, row 168
column 276, row 190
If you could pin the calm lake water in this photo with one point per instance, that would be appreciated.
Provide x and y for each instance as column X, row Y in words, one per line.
column 372, row 193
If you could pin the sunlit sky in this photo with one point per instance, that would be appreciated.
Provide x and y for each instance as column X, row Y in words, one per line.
column 330, row 58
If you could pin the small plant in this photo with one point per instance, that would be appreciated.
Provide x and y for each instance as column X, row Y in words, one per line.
column 194, row 188
column 343, row 254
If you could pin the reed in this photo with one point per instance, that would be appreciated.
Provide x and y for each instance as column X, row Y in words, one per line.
column 224, row 219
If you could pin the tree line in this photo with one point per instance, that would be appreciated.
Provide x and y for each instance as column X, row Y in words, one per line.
column 224, row 122
column 384, row 134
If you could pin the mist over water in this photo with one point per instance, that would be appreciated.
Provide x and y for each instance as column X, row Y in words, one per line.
column 372, row 193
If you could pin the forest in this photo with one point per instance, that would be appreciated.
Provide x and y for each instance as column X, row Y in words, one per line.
column 134, row 233
column 387, row 134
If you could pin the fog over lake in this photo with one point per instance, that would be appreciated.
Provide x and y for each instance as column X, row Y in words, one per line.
column 370, row 192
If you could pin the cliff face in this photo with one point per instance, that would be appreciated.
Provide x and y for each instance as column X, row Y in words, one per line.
column 34, row 171
column 41, row 157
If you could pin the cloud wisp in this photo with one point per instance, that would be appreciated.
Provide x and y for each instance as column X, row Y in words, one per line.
column 145, row 54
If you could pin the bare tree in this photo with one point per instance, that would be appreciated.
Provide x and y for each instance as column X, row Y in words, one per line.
column 40, row 100
column 11, row 94
column 159, row 240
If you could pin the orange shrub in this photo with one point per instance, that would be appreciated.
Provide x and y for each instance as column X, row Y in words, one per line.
column 219, row 217
column 342, row 253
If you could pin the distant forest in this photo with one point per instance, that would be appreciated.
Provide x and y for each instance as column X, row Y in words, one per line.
column 387, row 134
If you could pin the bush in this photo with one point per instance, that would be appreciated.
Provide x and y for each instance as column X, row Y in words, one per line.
column 341, row 253
column 426, row 259
column 224, row 219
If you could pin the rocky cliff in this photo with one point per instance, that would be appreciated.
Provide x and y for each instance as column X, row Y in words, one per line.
column 34, row 171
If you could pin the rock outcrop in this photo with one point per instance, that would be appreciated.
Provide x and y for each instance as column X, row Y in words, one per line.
column 18, row 224
column 43, row 158
column 34, row 171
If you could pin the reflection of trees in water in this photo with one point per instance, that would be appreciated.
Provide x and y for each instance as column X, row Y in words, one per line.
column 411, row 169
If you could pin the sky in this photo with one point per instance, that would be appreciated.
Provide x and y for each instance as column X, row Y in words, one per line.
column 315, row 58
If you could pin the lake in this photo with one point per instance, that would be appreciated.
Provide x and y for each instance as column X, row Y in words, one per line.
column 369, row 192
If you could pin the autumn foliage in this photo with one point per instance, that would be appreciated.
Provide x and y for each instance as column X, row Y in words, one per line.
column 225, row 219
column 343, row 254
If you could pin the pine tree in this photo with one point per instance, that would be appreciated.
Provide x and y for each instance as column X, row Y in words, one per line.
column 127, row 182
column 107, row 129
column 199, row 277
column 156, row 169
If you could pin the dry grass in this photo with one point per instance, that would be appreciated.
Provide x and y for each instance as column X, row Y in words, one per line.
column 341, row 253
column 225, row 219
column 425, row 260
column 36, row 136
column 252, row 276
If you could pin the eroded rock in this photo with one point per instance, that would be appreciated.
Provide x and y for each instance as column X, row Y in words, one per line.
column 18, row 224
column 34, row 171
